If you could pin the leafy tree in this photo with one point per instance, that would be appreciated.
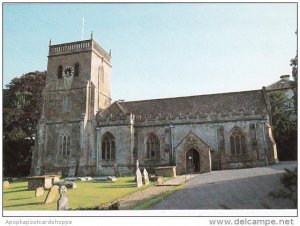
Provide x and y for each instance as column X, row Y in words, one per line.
column 294, row 64
column 22, row 105
column 285, row 129
column 284, row 126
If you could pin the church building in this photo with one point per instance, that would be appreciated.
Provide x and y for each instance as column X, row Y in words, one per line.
column 82, row 133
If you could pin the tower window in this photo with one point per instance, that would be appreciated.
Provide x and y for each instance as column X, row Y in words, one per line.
column 60, row 71
column 65, row 145
column 101, row 74
column 76, row 70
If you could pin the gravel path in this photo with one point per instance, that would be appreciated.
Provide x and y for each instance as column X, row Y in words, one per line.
column 231, row 189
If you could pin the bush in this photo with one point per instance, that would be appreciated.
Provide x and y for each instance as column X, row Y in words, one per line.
column 289, row 181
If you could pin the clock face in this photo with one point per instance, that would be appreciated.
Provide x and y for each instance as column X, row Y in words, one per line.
column 69, row 71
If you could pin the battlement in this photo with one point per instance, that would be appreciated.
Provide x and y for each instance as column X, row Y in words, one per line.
column 79, row 46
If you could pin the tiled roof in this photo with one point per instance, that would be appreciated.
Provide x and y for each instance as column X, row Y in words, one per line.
column 204, row 104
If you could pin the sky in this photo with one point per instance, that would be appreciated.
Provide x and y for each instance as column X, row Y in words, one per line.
column 161, row 50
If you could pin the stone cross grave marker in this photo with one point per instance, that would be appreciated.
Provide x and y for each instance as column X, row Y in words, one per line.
column 146, row 176
column 63, row 201
column 39, row 191
column 51, row 194
column 138, row 174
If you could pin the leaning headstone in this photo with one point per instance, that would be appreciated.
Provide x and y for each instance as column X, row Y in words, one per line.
column 145, row 176
column 39, row 191
column 51, row 194
column 5, row 184
column 138, row 175
column 63, row 201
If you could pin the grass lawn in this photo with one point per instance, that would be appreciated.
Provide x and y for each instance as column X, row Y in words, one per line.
column 87, row 194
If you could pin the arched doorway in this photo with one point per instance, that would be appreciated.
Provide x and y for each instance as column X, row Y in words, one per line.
column 192, row 161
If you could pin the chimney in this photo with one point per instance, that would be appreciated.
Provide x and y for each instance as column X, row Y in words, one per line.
column 285, row 77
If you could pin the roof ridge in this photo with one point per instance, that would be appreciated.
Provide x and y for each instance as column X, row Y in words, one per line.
column 213, row 94
column 121, row 107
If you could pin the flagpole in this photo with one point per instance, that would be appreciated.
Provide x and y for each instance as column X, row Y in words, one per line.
column 82, row 28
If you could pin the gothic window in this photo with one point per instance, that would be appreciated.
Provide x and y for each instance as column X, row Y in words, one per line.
column 65, row 145
column 237, row 142
column 60, row 71
column 76, row 70
column 108, row 147
column 101, row 74
column 153, row 147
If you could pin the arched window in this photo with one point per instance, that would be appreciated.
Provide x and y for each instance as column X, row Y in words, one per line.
column 101, row 74
column 60, row 71
column 108, row 147
column 76, row 70
column 153, row 146
column 65, row 145
column 237, row 142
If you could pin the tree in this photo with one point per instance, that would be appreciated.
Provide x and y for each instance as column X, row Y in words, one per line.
column 294, row 64
column 289, row 181
column 22, row 106
column 285, row 128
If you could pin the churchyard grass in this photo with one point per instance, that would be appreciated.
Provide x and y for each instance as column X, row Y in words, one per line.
column 156, row 199
column 87, row 194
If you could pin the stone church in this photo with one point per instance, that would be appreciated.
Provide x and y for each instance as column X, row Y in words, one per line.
column 82, row 133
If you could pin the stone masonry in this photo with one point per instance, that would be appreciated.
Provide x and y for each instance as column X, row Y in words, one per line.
column 81, row 133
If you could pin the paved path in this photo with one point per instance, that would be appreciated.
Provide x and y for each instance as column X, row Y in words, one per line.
column 138, row 197
column 231, row 189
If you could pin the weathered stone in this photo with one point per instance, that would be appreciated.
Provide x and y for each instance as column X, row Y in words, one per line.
column 52, row 194
column 45, row 181
column 63, row 201
column 39, row 191
column 166, row 171
column 105, row 179
column 67, row 184
column 72, row 179
column 5, row 184
column 202, row 123
column 138, row 175
column 145, row 177
column 158, row 179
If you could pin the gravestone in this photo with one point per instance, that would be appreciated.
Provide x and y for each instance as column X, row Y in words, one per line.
column 39, row 191
column 71, row 172
column 145, row 176
column 68, row 184
column 52, row 194
column 63, row 201
column 138, row 175
column 5, row 184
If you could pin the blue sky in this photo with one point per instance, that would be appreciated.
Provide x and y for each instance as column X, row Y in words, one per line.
column 161, row 50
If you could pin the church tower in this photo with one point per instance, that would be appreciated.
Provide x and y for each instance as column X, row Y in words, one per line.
column 77, row 86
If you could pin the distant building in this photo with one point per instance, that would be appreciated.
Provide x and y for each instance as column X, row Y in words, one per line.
column 81, row 133
column 284, row 85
